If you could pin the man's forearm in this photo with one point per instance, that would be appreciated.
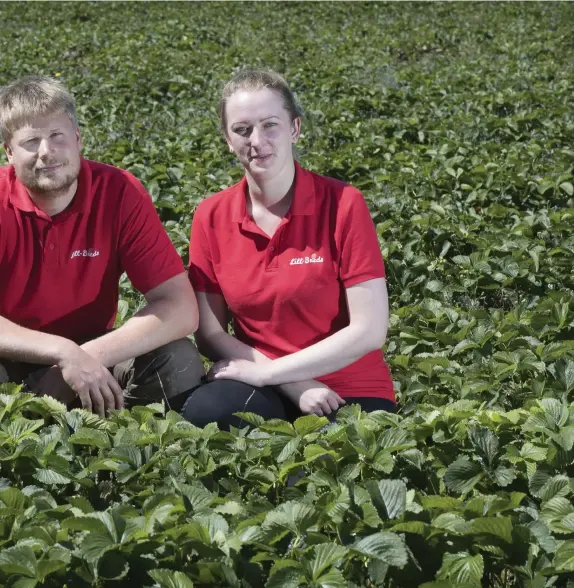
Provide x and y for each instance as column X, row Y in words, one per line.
column 21, row 344
column 158, row 323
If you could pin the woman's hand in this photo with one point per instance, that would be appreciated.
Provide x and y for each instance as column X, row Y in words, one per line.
column 242, row 370
column 312, row 397
column 320, row 400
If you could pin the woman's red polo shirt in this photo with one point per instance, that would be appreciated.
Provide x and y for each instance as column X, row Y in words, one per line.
column 288, row 292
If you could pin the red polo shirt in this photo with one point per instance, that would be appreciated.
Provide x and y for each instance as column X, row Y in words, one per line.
column 60, row 275
column 288, row 292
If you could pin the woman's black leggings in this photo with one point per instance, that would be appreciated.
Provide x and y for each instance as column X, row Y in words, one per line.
column 218, row 400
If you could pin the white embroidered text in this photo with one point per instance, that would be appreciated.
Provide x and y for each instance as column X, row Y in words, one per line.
column 85, row 253
column 304, row 260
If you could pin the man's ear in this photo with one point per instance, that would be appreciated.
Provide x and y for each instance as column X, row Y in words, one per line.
column 295, row 129
column 79, row 139
column 8, row 151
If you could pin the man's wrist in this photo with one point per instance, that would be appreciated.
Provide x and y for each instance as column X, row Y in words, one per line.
column 64, row 350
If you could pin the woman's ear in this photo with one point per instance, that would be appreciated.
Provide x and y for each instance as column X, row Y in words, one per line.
column 295, row 129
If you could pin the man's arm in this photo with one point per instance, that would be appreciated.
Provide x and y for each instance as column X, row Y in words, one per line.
column 170, row 314
column 87, row 377
column 21, row 344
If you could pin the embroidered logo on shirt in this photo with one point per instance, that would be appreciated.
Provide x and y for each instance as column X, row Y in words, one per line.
column 85, row 253
column 304, row 260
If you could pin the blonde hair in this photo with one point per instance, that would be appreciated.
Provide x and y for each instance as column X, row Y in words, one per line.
column 30, row 97
column 253, row 80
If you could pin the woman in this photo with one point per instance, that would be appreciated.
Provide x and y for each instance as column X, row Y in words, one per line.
column 295, row 258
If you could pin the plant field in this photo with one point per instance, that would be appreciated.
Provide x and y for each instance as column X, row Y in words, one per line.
column 456, row 122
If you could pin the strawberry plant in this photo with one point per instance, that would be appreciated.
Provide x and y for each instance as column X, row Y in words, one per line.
column 455, row 121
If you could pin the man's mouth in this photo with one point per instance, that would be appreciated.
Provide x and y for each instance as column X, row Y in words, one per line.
column 49, row 168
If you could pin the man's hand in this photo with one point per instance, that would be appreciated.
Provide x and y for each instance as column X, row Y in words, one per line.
column 242, row 370
column 91, row 381
column 52, row 384
column 320, row 400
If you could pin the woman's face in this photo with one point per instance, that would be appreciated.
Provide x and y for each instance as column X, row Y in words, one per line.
column 260, row 131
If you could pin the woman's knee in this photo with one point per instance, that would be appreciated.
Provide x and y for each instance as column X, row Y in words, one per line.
column 218, row 402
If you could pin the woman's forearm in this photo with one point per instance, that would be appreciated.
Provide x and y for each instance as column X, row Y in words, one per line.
column 222, row 345
column 325, row 357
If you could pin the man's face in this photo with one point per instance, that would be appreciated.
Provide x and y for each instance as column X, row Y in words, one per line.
column 45, row 154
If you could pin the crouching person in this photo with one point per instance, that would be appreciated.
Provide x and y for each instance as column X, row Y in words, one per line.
column 69, row 228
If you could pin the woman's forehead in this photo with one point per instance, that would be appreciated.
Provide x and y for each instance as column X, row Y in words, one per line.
column 254, row 104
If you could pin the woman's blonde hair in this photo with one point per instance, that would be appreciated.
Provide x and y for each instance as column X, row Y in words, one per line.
column 253, row 80
column 31, row 97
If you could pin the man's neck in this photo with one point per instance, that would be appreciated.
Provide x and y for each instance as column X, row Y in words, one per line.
column 52, row 203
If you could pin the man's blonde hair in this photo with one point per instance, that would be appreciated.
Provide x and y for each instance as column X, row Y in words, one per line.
column 31, row 97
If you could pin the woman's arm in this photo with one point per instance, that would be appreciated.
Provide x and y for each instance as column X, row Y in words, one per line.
column 212, row 338
column 216, row 344
column 367, row 330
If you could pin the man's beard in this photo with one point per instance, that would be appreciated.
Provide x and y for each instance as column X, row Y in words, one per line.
column 48, row 187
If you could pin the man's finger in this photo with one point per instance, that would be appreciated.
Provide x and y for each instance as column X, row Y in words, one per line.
column 97, row 402
column 117, row 392
column 85, row 399
column 107, row 397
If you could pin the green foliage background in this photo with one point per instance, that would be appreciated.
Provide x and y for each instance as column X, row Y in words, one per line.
column 455, row 120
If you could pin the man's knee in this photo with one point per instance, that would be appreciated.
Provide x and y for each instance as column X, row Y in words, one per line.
column 166, row 373
column 3, row 375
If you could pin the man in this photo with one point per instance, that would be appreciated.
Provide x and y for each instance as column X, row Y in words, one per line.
column 69, row 228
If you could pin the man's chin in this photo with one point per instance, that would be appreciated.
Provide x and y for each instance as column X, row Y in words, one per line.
column 49, row 187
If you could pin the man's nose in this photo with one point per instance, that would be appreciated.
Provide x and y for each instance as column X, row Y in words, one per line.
column 45, row 147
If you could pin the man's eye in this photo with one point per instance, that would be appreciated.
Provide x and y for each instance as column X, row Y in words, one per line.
column 57, row 134
column 270, row 124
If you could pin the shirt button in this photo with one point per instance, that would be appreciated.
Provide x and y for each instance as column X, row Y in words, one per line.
column 51, row 245
column 271, row 248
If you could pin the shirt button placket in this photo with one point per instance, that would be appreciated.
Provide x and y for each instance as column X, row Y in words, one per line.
column 273, row 251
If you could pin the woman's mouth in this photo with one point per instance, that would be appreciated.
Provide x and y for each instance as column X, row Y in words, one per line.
column 261, row 158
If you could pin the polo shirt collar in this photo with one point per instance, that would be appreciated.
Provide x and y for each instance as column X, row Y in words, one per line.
column 20, row 198
column 303, row 203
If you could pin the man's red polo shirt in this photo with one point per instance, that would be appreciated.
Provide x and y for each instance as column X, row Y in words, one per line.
column 288, row 292
column 60, row 275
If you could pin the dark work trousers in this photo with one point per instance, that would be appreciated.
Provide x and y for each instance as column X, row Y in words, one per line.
column 217, row 401
column 166, row 373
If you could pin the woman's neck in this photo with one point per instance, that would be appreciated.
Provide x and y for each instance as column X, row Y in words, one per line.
column 270, row 191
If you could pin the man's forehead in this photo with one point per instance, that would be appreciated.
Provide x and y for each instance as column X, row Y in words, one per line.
column 33, row 124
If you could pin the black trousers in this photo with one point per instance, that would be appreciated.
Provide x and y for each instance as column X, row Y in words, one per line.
column 218, row 400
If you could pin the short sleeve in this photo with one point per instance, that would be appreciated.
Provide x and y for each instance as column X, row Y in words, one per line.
column 360, row 253
column 201, row 271
column 146, row 252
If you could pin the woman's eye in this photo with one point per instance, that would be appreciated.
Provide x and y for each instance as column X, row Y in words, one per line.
column 241, row 130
